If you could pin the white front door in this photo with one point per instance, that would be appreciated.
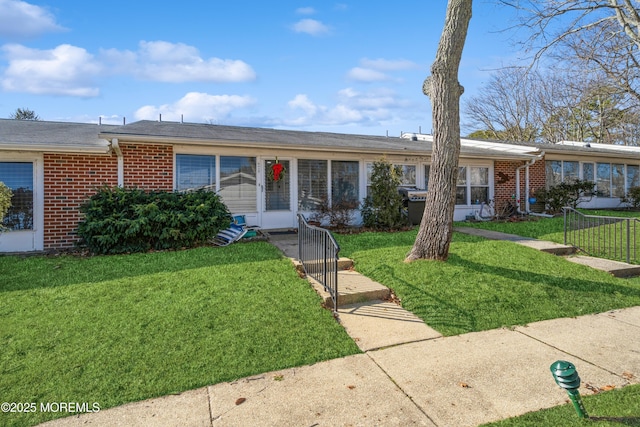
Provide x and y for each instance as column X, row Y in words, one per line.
column 277, row 201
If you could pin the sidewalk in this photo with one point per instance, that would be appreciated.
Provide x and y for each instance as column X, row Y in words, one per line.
column 408, row 375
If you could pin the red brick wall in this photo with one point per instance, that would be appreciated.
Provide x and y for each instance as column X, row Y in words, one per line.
column 148, row 166
column 505, row 181
column 69, row 179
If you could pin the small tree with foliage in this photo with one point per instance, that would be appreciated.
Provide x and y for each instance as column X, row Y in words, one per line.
column 24, row 114
column 5, row 202
column 382, row 207
column 632, row 198
column 565, row 194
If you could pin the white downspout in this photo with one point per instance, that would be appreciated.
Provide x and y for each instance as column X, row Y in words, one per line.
column 116, row 148
column 526, row 184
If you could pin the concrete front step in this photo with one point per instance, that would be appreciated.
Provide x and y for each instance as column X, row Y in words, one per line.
column 352, row 288
column 343, row 264
column 541, row 245
column 616, row 268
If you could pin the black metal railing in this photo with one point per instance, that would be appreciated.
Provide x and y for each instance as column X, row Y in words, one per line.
column 318, row 253
column 602, row 236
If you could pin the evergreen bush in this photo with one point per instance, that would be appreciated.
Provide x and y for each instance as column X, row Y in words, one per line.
column 118, row 220
column 565, row 194
column 632, row 198
column 382, row 208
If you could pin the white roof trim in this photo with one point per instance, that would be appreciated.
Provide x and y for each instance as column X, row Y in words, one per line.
column 55, row 148
column 485, row 145
column 611, row 147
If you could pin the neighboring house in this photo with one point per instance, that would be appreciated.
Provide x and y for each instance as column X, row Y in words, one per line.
column 53, row 167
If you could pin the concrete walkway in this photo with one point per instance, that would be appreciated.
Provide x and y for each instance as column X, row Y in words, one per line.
column 616, row 268
column 408, row 375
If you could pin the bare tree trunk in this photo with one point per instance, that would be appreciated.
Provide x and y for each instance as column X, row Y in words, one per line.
column 436, row 228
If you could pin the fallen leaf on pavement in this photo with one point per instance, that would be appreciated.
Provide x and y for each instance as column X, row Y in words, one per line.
column 628, row 375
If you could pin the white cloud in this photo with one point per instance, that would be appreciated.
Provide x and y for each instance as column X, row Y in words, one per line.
column 373, row 70
column 21, row 19
column 196, row 106
column 64, row 70
column 305, row 11
column 177, row 62
column 311, row 26
column 366, row 75
column 72, row 71
column 303, row 103
column 352, row 107
column 388, row 65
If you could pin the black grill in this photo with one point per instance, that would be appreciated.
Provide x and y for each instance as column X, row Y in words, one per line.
column 413, row 199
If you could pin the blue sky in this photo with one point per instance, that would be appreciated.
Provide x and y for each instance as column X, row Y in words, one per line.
column 351, row 67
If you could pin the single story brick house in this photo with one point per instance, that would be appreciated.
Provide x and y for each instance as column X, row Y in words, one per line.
column 52, row 167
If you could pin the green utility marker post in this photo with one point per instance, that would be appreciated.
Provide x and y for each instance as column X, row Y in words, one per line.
column 567, row 377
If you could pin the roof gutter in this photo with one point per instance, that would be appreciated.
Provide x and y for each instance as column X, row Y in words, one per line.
column 113, row 144
column 50, row 148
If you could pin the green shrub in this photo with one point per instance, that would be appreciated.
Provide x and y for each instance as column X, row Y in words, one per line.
column 118, row 220
column 337, row 214
column 632, row 197
column 382, row 208
column 5, row 201
column 565, row 194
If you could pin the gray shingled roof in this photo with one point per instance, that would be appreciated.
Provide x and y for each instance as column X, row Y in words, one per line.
column 37, row 135
column 206, row 134
column 29, row 135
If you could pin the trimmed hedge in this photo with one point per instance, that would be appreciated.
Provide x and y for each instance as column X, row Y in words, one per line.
column 118, row 220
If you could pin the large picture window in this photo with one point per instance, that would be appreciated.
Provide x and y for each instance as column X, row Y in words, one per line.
column 570, row 171
column 461, row 186
column 603, row 179
column 238, row 183
column 633, row 176
column 479, row 184
column 18, row 176
column 617, row 180
column 553, row 172
column 408, row 177
column 344, row 182
column 472, row 185
column 193, row 172
column 312, row 184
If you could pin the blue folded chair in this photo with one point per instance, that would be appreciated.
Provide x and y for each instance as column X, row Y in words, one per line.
column 228, row 236
column 236, row 231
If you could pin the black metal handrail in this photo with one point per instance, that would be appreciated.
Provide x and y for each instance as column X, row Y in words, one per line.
column 318, row 253
column 602, row 236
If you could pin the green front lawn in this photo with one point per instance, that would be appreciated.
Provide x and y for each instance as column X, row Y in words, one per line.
column 117, row 329
column 611, row 409
column 486, row 284
column 594, row 236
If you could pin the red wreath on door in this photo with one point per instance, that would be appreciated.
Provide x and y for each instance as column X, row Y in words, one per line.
column 277, row 170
